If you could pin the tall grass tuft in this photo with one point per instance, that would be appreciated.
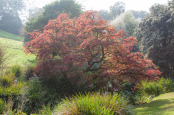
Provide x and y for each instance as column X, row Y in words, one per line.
column 94, row 104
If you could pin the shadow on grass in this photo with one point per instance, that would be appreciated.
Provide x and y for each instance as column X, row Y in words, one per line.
column 157, row 107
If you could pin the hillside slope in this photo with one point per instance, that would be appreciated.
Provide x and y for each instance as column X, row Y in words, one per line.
column 15, row 53
column 161, row 105
column 7, row 35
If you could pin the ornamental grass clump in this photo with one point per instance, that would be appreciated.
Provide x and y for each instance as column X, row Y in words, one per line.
column 94, row 104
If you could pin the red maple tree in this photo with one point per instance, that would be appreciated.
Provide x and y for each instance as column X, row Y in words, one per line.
column 88, row 49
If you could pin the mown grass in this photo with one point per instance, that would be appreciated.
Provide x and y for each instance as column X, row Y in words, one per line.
column 15, row 53
column 161, row 105
column 7, row 35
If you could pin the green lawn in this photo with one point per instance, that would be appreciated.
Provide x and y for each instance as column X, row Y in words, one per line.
column 15, row 52
column 161, row 105
column 7, row 35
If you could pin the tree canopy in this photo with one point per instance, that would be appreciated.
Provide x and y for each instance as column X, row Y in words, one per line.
column 51, row 11
column 88, row 51
column 156, row 36
column 9, row 13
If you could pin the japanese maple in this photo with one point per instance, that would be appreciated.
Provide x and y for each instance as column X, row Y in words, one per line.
column 87, row 48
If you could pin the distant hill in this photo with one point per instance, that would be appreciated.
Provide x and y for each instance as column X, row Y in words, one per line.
column 7, row 35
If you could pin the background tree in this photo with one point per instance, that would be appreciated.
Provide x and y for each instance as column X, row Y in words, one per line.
column 9, row 12
column 127, row 22
column 51, row 11
column 105, row 15
column 117, row 9
column 89, row 52
column 156, row 33
column 139, row 14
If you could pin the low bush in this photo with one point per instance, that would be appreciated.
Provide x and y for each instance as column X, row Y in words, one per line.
column 1, row 105
column 29, row 71
column 94, row 104
column 146, row 90
column 17, row 70
column 7, row 80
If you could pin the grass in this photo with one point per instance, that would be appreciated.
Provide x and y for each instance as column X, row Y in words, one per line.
column 94, row 104
column 161, row 105
column 7, row 35
column 15, row 52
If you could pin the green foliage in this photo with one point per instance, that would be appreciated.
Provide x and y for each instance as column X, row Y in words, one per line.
column 117, row 9
column 9, row 10
column 1, row 105
column 4, row 34
column 94, row 104
column 16, row 70
column 29, row 71
column 148, row 89
column 127, row 22
column 34, row 96
column 51, row 11
column 7, row 80
column 46, row 110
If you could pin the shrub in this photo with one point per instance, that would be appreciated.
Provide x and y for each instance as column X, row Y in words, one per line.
column 94, row 104
column 29, row 71
column 1, row 105
column 45, row 92
column 16, row 69
column 6, row 80
column 149, row 89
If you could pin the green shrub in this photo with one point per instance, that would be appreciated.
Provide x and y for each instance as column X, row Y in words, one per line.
column 16, row 69
column 28, row 72
column 45, row 92
column 94, row 104
column 1, row 105
column 163, row 85
column 7, row 80
column 149, row 89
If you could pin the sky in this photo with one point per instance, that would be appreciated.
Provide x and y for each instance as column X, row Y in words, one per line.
column 105, row 4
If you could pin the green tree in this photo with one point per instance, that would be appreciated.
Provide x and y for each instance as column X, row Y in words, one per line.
column 9, row 13
column 117, row 9
column 156, row 37
column 51, row 11
column 127, row 22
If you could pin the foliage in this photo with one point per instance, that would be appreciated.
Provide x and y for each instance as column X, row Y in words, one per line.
column 34, row 96
column 1, row 105
column 29, row 71
column 46, row 92
column 94, row 104
column 9, row 11
column 16, row 70
column 46, row 110
column 117, row 9
column 7, row 80
column 51, row 11
column 127, row 22
column 148, row 89
column 76, row 47
column 105, row 15
column 139, row 14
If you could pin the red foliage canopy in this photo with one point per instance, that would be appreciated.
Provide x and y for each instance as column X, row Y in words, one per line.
column 88, row 48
